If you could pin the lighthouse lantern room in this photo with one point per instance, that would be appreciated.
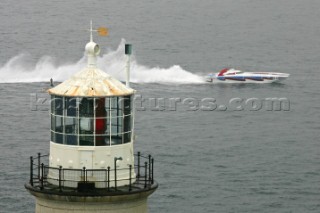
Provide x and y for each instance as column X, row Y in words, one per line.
column 91, row 166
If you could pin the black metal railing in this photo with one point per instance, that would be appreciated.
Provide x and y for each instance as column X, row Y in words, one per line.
column 44, row 177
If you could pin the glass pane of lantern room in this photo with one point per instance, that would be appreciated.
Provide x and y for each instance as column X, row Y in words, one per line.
column 101, row 122
column 53, row 127
column 127, row 119
column 107, row 107
column 100, row 115
column 58, row 105
column 86, row 140
column 116, row 116
column 58, row 128
column 86, row 107
column 86, row 126
column 71, row 139
column 52, row 104
column 86, row 116
column 71, row 106
column 70, row 125
column 58, row 124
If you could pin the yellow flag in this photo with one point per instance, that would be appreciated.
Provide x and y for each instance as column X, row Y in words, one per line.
column 102, row 31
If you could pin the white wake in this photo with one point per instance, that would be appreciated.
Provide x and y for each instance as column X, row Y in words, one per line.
column 113, row 62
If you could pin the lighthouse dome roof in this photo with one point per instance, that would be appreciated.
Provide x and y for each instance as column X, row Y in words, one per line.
column 91, row 82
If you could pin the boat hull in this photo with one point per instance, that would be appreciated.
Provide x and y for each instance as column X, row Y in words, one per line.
column 236, row 76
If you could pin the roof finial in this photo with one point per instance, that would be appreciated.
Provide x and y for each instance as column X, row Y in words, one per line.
column 91, row 30
column 92, row 50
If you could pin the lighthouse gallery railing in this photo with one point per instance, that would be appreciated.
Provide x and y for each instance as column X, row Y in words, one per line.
column 143, row 178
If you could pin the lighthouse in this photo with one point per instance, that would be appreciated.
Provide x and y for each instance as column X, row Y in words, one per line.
column 92, row 166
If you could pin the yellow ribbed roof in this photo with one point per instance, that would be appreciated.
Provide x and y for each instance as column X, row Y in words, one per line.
column 91, row 82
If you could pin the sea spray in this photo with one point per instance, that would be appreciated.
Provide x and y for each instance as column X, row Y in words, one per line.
column 113, row 62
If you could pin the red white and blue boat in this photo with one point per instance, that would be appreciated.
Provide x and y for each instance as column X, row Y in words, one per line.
column 230, row 75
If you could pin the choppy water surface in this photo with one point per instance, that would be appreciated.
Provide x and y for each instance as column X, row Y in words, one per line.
column 218, row 160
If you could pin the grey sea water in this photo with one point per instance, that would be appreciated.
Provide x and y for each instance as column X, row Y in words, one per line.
column 218, row 160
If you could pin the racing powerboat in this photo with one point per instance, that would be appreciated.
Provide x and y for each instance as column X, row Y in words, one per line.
column 231, row 75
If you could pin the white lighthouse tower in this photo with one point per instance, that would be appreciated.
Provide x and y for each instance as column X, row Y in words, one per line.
column 92, row 166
